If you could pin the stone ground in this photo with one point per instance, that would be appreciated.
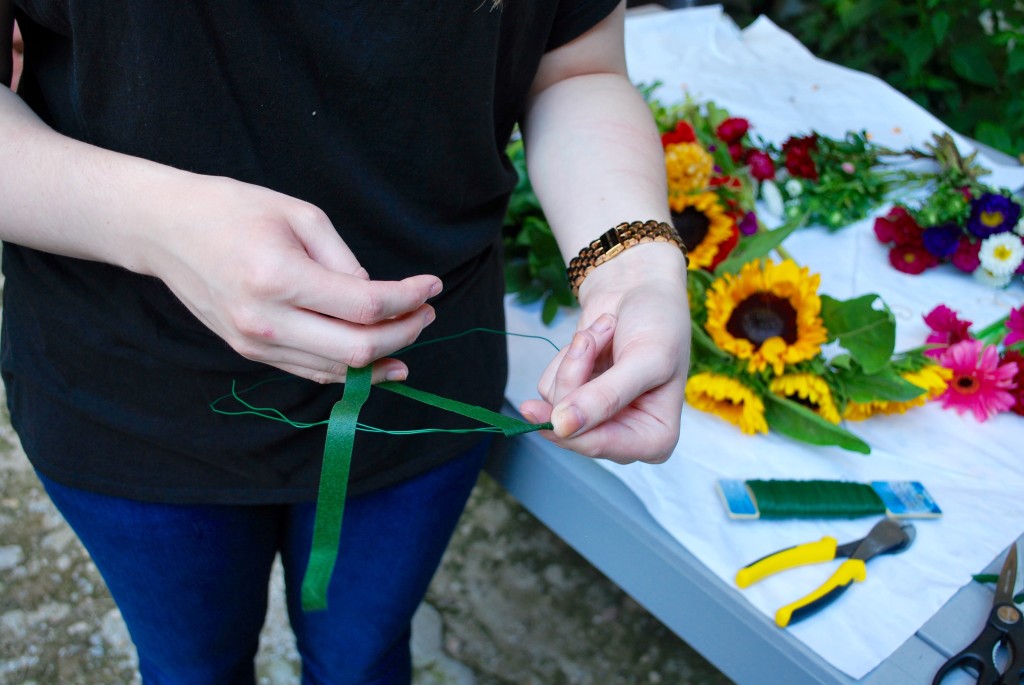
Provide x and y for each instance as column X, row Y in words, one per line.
column 511, row 605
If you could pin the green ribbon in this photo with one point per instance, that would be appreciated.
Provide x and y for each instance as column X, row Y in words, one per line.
column 341, row 431
column 330, row 500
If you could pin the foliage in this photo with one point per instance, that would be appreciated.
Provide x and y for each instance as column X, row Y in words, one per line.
column 962, row 61
column 533, row 264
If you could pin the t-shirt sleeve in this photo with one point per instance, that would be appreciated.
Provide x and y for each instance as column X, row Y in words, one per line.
column 576, row 17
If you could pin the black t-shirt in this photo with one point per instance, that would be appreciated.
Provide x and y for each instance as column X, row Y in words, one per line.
column 392, row 117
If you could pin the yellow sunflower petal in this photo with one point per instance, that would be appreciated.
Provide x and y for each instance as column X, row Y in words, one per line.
column 810, row 390
column 729, row 399
column 719, row 229
column 931, row 378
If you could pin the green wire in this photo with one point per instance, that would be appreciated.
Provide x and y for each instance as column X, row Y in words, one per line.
column 273, row 414
column 814, row 499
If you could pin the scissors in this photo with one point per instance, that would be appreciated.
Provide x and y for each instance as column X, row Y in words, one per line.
column 1005, row 628
column 887, row 537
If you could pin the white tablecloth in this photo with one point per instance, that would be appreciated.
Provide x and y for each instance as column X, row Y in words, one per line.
column 974, row 471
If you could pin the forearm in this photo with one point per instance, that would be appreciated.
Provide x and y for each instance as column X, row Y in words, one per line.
column 595, row 160
column 594, row 157
column 75, row 199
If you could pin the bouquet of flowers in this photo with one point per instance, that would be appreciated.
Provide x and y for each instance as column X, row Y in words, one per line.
column 962, row 221
column 711, row 178
column 986, row 368
column 757, row 358
column 830, row 182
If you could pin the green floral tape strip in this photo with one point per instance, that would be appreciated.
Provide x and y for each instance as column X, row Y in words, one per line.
column 341, row 431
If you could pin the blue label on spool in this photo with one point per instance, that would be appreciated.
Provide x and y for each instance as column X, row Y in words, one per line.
column 737, row 498
column 906, row 498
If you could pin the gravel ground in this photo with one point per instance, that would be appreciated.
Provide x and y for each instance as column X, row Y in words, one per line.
column 511, row 605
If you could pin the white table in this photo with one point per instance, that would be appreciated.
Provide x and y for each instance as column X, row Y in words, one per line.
column 613, row 520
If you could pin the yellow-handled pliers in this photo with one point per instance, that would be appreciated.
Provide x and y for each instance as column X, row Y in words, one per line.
column 887, row 537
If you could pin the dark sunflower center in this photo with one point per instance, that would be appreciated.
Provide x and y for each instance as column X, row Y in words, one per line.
column 762, row 316
column 692, row 225
column 805, row 401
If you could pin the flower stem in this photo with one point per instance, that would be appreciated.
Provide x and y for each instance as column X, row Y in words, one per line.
column 994, row 332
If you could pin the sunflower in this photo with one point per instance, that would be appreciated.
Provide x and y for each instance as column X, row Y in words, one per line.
column 689, row 168
column 931, row 378
column 807, row 389
column 703, row 225
column 767, row 314
column 728, row 398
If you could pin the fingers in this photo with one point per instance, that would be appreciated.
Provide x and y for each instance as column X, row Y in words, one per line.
column 627, row 412
column 363, row 301
column 576, row 364
column 606, row 395
column 351, row 343
column 383, row 370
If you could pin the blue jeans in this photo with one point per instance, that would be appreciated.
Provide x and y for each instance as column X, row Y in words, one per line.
column 191, row 580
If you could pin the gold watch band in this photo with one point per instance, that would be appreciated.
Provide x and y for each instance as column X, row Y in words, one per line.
column 615, row 240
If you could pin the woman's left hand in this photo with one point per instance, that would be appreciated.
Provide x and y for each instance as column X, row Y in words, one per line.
column 616, row 391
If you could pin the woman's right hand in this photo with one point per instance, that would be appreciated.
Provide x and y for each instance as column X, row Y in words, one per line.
column 264, row 271
column 270, row 275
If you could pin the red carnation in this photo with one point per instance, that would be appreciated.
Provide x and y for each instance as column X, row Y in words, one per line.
column 732, row 129
column 798, row 157
column 898, row 227
column 683, row 133
column 947, row 329
column 912, row 259
column 1018, row 388
column 736, row 151
column 761, row 166
column 966, row 256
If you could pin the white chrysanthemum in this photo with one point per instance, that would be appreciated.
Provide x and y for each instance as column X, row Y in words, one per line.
column 1001, row 253
column 992, row 280
column 1019, row 228
column 794, row 187
column 772, row 197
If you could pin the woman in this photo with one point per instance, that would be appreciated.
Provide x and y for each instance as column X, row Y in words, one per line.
column 210, row 193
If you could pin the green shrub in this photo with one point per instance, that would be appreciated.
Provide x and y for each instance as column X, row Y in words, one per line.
column 962, row 61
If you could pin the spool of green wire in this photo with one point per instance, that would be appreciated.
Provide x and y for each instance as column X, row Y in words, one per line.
column 814, row 499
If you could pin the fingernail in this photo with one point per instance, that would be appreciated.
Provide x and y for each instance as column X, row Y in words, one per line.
column 529, row 416
column 578, row 347
column 570, row 421
column 397, row 375
column 604, row 323
column 436, row 288
column 362, row 273
column 429, row 316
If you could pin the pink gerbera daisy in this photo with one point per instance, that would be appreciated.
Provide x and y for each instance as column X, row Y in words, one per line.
column 947, row 329
column 1015, row 327
column 980, row 384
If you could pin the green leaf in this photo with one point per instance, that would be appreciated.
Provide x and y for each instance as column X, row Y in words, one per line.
column 994, row 135
column 918, row 47
column 550, row 310
column 800, row 423
column 868, row 334
column 705, row 345
column 758, row 245
column 970, row 61
column 884, row 385
column 940, row 26
column 1015, row 61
